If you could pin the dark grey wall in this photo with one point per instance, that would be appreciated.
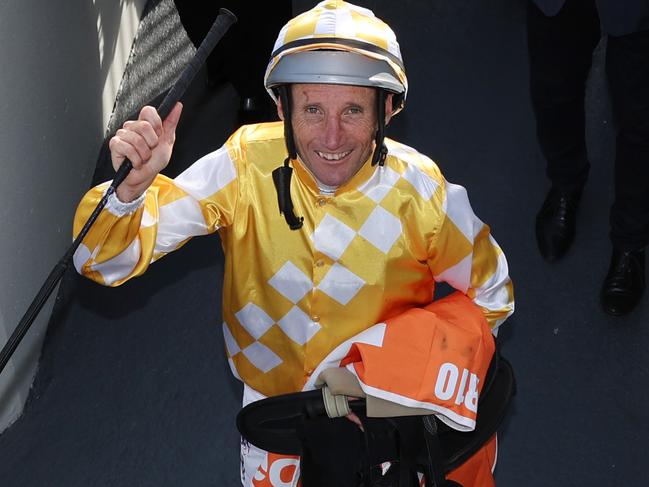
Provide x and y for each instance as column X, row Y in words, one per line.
column 56, row 59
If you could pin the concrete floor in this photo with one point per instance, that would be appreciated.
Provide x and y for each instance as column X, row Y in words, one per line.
column 133, row 387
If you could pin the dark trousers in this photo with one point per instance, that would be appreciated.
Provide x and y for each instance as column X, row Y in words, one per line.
column 560, row 54
column 243, row 54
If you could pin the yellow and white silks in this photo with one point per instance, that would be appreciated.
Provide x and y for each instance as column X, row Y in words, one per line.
column 294, row 302
column 366, row 254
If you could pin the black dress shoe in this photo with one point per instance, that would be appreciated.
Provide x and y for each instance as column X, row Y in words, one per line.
column 555, row 223
column 624, row 283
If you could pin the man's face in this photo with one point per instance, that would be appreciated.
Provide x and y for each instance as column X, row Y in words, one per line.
column 334, row 128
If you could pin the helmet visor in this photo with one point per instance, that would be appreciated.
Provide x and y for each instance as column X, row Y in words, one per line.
column 334, row 67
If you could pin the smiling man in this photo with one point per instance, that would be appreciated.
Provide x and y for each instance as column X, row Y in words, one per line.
column 334, row 127
column 331, row 258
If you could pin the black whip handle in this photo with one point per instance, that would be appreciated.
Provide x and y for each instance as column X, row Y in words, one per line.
column 220, row 26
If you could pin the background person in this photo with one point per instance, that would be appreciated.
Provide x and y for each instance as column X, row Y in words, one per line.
column 241, row 56
column 562, row 35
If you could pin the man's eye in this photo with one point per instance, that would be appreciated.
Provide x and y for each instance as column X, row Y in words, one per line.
column 355, row 110
column 312, row 110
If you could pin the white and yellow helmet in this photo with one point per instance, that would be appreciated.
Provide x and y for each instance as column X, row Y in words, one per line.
column 338, row 43
column 333, row 43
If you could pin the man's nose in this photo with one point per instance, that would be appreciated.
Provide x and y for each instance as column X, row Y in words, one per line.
column 333, row 132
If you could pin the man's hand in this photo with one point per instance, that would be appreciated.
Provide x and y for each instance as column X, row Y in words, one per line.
column 356, row 420
column 146, row 142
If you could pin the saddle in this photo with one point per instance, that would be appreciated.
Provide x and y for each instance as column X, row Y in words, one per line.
column 388, row 452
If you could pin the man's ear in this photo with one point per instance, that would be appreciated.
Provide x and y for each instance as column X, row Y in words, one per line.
column 388, row 108
column 280, row 110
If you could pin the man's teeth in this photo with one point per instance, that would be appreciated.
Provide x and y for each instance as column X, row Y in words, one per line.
column 333, row 157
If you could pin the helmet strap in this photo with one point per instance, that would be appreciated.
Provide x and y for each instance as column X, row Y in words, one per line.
column 380, row 150
column 282, row 175
column 287, row 108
